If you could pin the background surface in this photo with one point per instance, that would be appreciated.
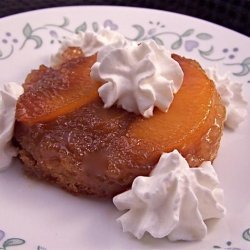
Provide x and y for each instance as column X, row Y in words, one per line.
column 233, row 14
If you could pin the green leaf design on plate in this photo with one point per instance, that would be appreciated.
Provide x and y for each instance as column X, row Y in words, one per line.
column 245, row 67
column 206, row 52
column 188, row 33
column 204, row 36
column 13, row 242
column 244, row 71
column 81, row 28
column 246, row 234
column 2, row 56
column 158, row 40
column 140, row 31
column 95, row 26
column 37, row 40
column 65, row 22
column 27, row 30
column 28, row 33
column 177, row 44
column 246, row 61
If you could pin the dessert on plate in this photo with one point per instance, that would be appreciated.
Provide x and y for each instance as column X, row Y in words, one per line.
column 115, row 118
column 67, row 137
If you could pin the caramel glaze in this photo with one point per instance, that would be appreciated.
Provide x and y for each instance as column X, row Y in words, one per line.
column 86, row 151
column 92, row 151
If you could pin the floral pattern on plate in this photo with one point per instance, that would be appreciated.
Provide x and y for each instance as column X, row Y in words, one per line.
column 10, row 242
column 189, row 39
column 13, row 242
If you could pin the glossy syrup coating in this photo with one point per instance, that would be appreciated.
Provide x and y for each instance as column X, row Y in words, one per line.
column 98, row 151
column 50, row 92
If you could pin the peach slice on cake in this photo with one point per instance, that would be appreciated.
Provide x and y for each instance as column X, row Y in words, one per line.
column 194, row 122
column 52, row 92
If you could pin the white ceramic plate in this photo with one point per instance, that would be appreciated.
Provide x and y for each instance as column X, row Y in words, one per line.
column 35, row 215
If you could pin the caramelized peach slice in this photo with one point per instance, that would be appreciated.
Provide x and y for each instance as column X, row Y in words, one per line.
column 57, row 91
column 35, row 76
column 193, row 123
column 71, row 53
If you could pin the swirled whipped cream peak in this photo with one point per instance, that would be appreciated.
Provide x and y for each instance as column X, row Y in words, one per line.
column 173, row 201
column 90, row 42
column 232, row 98
column 137, row 77
column 9, row 94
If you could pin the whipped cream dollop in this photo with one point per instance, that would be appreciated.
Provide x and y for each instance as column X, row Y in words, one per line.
column 137, row 77
column 9, row 94
column 90, row 43
column 232, row 98
column 173, row 201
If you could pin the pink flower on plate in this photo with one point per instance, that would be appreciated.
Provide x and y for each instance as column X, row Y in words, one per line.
column 190, row 45
column 109, row 24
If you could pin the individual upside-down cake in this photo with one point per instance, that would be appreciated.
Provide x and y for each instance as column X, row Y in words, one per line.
column 68, row 138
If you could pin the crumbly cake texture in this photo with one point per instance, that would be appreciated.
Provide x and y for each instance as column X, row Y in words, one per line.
column 97, row 151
